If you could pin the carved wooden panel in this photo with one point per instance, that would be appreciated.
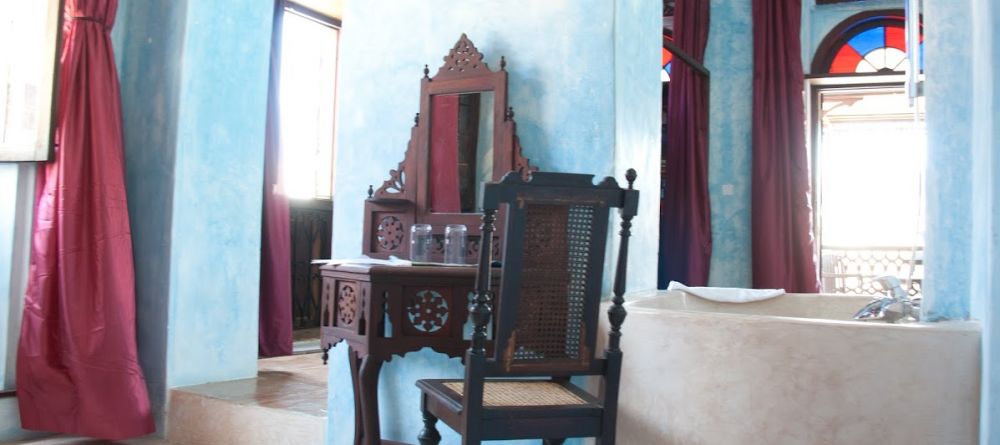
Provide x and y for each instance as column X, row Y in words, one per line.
column 427, row 311
column 327, row 316
column 464, row 59
column 390, row 233
column 348, row 303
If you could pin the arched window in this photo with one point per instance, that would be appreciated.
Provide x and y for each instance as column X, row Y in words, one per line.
column 868, row 152
column 871, row 42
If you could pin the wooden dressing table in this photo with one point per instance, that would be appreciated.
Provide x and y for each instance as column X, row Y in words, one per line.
column 385, row 311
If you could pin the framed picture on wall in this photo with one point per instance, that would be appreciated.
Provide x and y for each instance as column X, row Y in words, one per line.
column 29, row 63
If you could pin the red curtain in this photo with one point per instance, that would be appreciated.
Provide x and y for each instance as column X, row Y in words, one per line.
column 686, row 233
column 77, row 371
column 444, row 196
column 275, row 322
column 783, row 255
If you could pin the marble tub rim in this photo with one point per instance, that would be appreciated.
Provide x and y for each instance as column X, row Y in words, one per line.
column 633, row 298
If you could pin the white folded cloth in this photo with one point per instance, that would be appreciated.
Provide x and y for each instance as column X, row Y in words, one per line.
column 727, row 294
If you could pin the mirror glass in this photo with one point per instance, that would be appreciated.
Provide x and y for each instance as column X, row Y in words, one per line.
column 461, row 151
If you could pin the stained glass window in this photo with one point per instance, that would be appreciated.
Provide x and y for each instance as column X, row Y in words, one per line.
column 668, row 59
column 873, row 45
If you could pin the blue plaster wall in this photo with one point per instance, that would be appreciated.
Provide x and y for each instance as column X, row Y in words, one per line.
column 194, row 84
column 985, row 269
column 218, row 171
column 637, row 39
column 729, row 57
column 563, row 59
column 8, row 203
column 148, row 42
column 949, row 159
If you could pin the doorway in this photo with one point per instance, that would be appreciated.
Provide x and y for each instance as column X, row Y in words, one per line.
column 869, row 155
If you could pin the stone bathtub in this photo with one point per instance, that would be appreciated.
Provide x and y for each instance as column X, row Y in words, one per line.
column 792, row 370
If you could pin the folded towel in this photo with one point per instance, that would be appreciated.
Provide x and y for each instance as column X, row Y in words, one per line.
column 727, row 294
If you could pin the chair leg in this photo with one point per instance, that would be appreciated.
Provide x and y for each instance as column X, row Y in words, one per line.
column 553, row 441
column 429, row 435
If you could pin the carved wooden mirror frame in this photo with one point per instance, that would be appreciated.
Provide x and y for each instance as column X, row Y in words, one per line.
column 404, row 198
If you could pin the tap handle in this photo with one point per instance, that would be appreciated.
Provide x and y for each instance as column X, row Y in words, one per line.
column 892, row 285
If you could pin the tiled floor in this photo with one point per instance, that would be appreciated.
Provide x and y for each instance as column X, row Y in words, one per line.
column 286, row 403
column 296, row 383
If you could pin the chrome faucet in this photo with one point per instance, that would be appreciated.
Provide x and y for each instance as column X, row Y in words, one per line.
column 896, row 307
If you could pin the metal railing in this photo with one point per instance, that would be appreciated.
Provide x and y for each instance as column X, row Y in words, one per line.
column 850, row 270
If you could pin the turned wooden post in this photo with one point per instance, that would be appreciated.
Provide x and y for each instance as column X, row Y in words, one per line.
column 616, row 313
column 480, row 309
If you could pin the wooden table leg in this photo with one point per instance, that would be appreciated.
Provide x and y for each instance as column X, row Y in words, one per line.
column 368, row 389
column 355, row 364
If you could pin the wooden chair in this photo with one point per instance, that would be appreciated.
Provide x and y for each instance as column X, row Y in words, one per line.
column 546, row 326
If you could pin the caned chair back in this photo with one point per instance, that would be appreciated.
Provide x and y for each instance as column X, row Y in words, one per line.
column 553, row 269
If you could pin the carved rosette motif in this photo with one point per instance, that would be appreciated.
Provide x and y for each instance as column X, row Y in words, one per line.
column 427, row 311
column 390, row 233
column 347, row 304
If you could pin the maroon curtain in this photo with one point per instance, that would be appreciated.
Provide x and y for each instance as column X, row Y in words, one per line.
column 783, row 255
column 444, row 196
column 686, row 236
column 275, row 324
column 77, row 371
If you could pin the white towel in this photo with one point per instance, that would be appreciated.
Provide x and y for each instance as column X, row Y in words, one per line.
column 727, row 294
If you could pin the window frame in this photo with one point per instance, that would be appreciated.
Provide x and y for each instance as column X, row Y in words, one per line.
column 43, row 147
column 293, row 7
column 814, row 87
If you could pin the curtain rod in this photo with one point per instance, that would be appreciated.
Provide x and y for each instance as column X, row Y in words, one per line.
column 697, row 66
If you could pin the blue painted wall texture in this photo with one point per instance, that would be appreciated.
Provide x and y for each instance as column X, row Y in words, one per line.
column 729, row 57
column 215, row 237
column 8, row 203
column 194, row 83
column 573, row 115
column 637, row 129
column 949, row 159
column 148, row 41
column 985, row 269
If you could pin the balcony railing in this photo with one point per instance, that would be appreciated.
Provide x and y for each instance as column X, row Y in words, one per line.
column 850, row 270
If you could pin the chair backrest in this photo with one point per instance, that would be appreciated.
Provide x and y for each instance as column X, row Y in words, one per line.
column 553, row 267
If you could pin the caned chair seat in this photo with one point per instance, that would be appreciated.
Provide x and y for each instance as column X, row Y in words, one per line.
column 510, row 395
column 523, row 393
column 517, row 393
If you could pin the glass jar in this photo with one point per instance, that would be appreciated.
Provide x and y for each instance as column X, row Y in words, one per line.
column 455, row 244
column 421, row 242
